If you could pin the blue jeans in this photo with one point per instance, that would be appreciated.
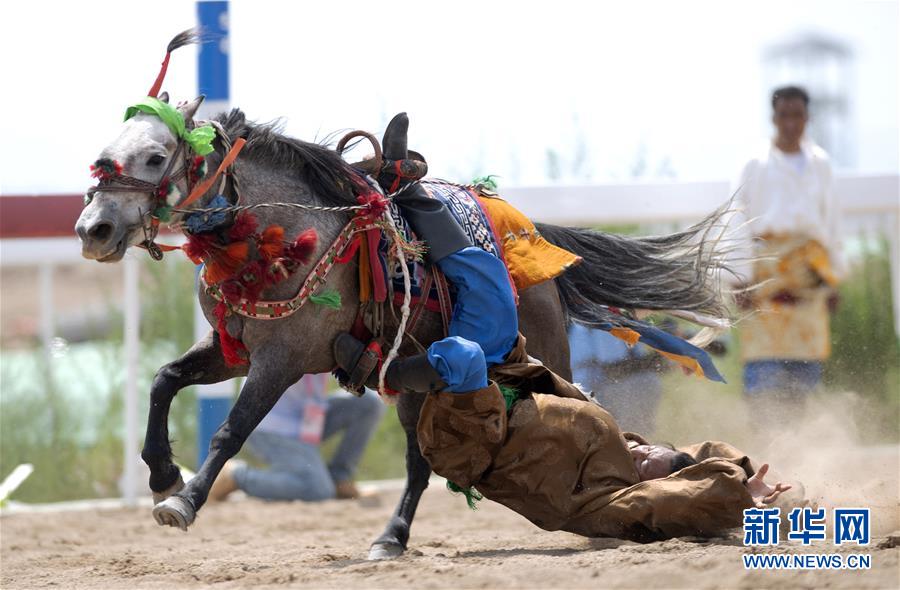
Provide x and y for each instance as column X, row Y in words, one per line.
column 790, row 378
column 296, row 469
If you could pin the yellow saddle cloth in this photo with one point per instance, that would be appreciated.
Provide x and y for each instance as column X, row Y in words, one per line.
column 529, row 257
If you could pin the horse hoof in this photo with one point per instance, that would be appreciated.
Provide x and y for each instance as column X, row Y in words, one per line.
column 172, row 489
column 382, row 551
column 174, row 511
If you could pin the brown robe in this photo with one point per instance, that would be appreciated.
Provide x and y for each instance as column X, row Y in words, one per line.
column 561, row 461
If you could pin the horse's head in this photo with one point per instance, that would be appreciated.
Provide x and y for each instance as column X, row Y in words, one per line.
column 131, row 171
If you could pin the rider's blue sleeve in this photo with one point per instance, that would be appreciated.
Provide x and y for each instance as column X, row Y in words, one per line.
column 460, row 363
column 484, row 313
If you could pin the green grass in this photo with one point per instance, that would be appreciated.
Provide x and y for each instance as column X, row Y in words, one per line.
column 866, row 351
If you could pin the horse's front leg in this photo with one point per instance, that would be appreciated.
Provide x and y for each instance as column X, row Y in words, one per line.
column 202, row 364
column 271, row 373
column 392, row 542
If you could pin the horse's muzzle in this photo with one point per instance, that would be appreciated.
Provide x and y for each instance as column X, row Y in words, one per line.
column 101, row 239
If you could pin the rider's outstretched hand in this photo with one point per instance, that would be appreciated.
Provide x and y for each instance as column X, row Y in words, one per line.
column 762, row 492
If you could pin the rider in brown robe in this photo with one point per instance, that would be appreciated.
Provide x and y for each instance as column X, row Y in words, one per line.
column 561, row 461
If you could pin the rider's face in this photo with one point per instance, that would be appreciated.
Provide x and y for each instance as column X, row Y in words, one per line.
column 651, row 461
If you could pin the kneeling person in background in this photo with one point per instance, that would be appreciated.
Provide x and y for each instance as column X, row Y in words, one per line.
column 288, row 440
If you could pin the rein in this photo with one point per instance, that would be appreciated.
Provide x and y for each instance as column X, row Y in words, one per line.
column 123, row 183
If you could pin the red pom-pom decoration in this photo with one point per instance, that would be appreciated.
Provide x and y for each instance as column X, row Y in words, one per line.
column 271, row 242
column 199, row 247
column 375, row 204
column 245, row 225
column 303, row 246
column 105, row 168
column 253, row 279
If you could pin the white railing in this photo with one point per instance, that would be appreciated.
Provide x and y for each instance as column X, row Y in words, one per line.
column 678, row 201
column 869, row 204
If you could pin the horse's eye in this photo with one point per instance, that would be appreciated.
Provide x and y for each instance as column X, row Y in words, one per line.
column 155, row 160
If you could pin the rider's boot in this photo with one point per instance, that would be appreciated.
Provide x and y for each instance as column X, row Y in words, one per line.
column 412, row 374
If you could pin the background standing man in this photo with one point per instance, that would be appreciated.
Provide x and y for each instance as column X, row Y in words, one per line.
column 787, row 194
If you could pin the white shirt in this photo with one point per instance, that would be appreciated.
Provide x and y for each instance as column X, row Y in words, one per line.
column 783, row 193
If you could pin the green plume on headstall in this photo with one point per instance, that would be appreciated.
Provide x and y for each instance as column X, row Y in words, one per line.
column 330, row 299
column 200, row 138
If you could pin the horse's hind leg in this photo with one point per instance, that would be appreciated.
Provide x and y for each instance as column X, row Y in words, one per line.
column 203, row 363
column 392, row 542
column 271, row 373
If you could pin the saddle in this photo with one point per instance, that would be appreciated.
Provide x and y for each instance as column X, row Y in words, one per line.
column 393, row 162
column 490, row 222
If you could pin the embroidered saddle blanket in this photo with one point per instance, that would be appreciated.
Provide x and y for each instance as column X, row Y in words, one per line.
column 493, row 225
column 499, row 228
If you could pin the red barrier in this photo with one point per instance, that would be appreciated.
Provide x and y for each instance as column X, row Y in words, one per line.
column 39, row 216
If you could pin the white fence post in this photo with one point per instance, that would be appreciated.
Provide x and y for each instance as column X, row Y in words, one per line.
column 132, row 306
column 48, row 317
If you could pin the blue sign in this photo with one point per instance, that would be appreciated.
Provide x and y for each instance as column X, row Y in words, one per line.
column 807, row 525
column 851, row 525
column 212, row 60
column 761, row 526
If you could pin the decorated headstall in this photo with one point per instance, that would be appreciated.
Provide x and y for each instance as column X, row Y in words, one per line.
column 194, row 143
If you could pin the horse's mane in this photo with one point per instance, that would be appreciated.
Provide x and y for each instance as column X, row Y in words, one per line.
column 323, row 170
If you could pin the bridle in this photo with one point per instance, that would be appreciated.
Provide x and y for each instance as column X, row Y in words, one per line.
column 151, row 219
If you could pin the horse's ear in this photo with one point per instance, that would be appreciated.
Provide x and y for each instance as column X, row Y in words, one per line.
column 163, row 96
column 189, row 109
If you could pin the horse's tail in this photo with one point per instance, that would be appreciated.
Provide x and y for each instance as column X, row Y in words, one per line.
column 676, row 274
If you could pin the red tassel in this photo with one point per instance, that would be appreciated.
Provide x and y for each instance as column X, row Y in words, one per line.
column 194, row 171
column 199, row 248
column 350, row 252
column 303, row 246
column 232, row 291
column 253, row 279
column 226, row 261
column 154, row 90
column 271, row 242
column 162, row 192
column 233, row 349
column 245, row 225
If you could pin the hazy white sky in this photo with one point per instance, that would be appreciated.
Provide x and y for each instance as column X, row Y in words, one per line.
column 489, row 86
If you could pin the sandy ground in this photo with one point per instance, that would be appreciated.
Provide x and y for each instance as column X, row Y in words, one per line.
column 247, row 543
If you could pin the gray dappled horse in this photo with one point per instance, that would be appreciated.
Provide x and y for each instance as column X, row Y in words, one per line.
column 663, row 273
